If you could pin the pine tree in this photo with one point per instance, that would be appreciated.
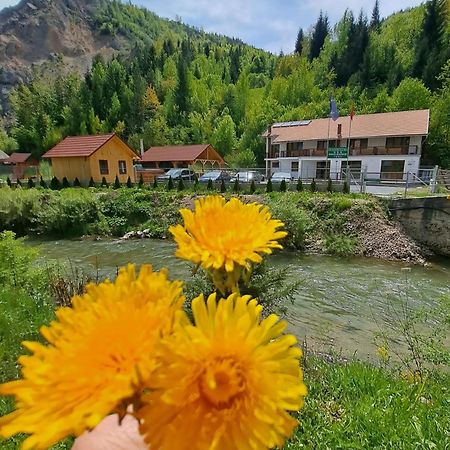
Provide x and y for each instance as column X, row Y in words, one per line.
column 141, row 181
column 320, row 33
column 182, row 91
column 76, row 183
column 252, row 187
column 43, row 184
column 283, row 186
column 299, row 42
column 170, row 184
column 223, row 187
column 19, row 183
column 155, row 183
column 30, row 183
column 299, row 185
column 345, row 188
column 129, row 183
column 91, row 183
column 180, row 184
column 117, row 183
column 313, row 186
column 375, row 20
column 65, row 183
column 330, row 185
column 269, row 186
column 55, row 185
column 236, row 186
column 8, row 182
column 104, row 182
column 210, row 186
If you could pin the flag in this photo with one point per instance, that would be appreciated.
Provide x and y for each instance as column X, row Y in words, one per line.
column 334, row 113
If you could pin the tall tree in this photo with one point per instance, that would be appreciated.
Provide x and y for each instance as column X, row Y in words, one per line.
column 299, row 42
column 320, row 33
column 375, row 21
column 182, row 91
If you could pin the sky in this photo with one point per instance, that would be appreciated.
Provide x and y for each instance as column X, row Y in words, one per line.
column 268, row 24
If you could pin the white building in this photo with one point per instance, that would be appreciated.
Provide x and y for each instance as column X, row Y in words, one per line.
column 386, row 146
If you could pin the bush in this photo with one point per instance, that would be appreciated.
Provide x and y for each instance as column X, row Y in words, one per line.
column 299, row 185
column 76, row 183
column 155, row 183
column 283, row 186
column 117, row 183
column 340, row 245
column 92, row 183
column 129, row 183
column 43, row 184
column 330, row 186
column 180, row 184
column 269, row 187
column 223, row 187
column 236, row 187
column 8, row 182
column 31, row 184
column 313, row 186
column 104, row 183
column 141, row 181
column 210, row 185
column 252, row 187
column 170, row 185
column 55, row 185
column 65, row 183
column 345, row 188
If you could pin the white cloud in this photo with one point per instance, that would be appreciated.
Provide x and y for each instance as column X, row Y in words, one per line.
column 269, row 24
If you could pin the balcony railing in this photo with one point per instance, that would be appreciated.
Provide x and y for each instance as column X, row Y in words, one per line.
column 369, row 151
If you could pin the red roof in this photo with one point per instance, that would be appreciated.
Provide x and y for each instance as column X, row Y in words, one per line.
column 78, row 146
column 175, row 153
column 17, row 158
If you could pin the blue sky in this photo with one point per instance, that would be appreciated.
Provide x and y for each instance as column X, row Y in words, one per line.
column 269, row 24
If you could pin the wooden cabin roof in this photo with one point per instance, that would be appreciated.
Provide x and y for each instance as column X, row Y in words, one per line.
column 78, row 146
column 183, row 153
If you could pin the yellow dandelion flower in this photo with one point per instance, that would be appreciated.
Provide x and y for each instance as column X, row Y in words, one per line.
column 226, row 383
column 99, row 353
column 225, row 238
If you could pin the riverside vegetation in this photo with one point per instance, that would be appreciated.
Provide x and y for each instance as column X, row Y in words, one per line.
column 351, row 404
column 331, row 223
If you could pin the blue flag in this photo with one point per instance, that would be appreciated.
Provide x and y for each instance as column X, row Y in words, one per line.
column 334, row 113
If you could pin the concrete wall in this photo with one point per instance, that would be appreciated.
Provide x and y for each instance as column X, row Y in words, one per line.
column 427, row 220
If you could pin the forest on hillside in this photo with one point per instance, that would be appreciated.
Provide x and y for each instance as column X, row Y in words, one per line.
column 181, row 85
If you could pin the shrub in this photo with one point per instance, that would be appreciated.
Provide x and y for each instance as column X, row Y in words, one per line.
column 210, row 186
column 43, row 184
column 129, row 183
column 141, row 181
column 180, row 184
column 76, row 183
column 345, row 188
column 340, row 245
column 55, row 185
column 236, row 187
column 223, row 187
column 252, row 187
column 195, row 183
column 155, row 183
column 65, row 183
column 19, row 183
column 269, row 187
column 117, row 183
column 299, row 185
column 313, row 186
column 330, row 186
column 283, row 186
column 104, row 182
column 8, row 182
column 170, row 185
column 31, row 184
column 91, row 183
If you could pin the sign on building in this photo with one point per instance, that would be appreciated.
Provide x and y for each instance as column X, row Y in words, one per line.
column 337, row 153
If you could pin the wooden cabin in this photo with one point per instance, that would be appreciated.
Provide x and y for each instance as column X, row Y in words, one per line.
column 203, row 156
column 21, row 163
column 99, row 156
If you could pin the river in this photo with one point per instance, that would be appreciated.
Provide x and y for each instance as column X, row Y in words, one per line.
column 342, row 303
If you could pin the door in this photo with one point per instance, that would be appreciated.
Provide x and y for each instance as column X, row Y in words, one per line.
column 322, row 170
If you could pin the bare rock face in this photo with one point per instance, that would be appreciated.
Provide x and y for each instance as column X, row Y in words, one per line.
column 36, row 32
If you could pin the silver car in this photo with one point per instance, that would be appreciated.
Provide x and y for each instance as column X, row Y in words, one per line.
column 248, row 177
column 278, row 177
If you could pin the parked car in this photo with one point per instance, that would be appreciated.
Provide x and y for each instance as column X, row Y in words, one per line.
column 247, row 177
column 176, row 174
column 215, row 176
column 278, row 177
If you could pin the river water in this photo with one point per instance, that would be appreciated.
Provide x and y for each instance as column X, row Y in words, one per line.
column 342, row 303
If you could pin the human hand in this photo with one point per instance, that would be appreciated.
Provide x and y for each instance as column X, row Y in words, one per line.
column 109, row 435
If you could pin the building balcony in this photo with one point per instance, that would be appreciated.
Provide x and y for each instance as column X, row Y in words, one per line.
column 369, row 151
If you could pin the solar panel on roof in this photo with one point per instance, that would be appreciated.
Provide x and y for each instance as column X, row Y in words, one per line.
column 296, row 123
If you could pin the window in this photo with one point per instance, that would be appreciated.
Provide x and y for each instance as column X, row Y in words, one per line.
column 392, row 169
column 335, row 143
column 122, row 167
column 321, row 145
column 294, row 146
column 104, row 170
column 322, row 170
column 275, row 150
column 397, row 142
column 294, row 166
column 275, row 164
column 359, row 143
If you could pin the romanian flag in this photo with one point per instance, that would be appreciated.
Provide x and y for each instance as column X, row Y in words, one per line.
column 334, row 113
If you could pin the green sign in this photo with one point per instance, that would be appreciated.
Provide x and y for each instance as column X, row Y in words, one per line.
column 337, row 153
